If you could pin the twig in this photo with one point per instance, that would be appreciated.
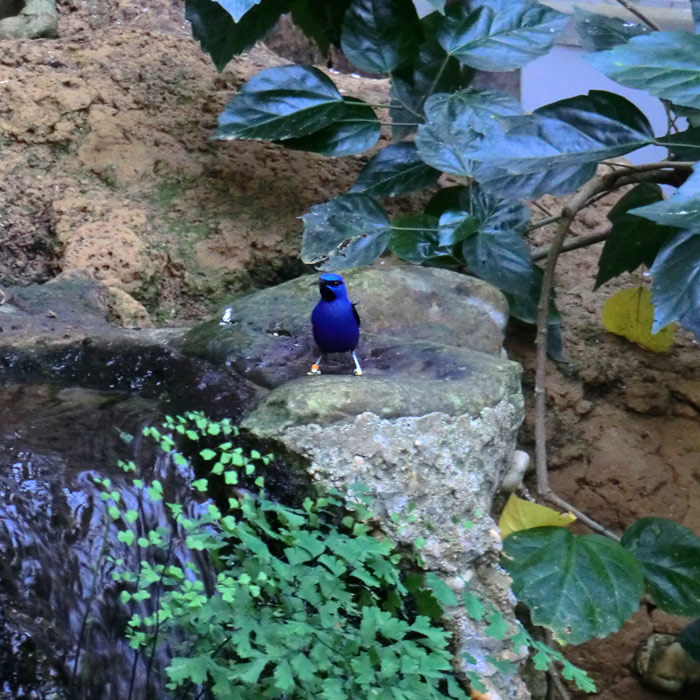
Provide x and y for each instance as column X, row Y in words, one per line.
column 662, row 171
column 558, row 684
column 639, row 15
column 582, row 242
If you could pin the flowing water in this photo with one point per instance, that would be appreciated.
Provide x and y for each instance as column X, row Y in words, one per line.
column 61, row 622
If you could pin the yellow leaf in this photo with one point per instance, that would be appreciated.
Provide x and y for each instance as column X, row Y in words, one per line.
column 630, row 313
column 522, row 515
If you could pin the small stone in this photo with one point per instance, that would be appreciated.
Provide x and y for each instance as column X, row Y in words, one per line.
column 644, row 397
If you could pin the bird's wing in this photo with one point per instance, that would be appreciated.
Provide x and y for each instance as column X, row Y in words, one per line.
column 355, row 314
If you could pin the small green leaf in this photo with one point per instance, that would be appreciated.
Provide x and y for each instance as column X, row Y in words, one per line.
column 207, row 454
column 670, row 556
column 442, row 592
column 200, row 484
column 281, row 103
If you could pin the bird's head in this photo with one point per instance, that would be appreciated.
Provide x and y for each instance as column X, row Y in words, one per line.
column 332, row 286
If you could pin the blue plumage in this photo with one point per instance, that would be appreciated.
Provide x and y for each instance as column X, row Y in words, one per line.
column 335, row 321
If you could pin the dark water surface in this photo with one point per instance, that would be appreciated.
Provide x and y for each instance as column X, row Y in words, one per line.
column 61, row 624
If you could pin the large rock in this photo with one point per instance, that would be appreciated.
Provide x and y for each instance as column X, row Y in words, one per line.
column 430, row 427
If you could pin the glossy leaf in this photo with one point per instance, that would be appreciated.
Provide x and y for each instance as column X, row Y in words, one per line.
column 633, row 240
column 415, row 238
column 499, row 35
column 355, row 131
column 681, row 211
column 237, row 8
column 670, row 556
column 394, row 170
column 580, row 587
column 456, row 225
column 223, row 38
column 556, row 149
column 665, row 64
column 432, row 71
column 281, row 103
column 456, row 124
column 520, row 514
column 629, row 313
column 684, row 145
column 346, row 231
column 690, row 638
column 380, row 36
column 599, row 32
column 676, row 286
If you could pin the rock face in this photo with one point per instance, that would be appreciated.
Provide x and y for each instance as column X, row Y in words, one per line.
column 430, row 427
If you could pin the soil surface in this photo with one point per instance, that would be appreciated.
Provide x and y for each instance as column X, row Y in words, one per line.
column 108, row 172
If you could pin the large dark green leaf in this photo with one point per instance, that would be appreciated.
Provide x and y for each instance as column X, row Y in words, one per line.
column 499, row 35
column 670, row 556
column 690, row 636
column 633, row 240
column 555, row 149
column 357, row 130
column 320, row 20
column 490, row 230
column 415, row 238
column 675, row 291
column 394, row 170
column 579, row 586
column 380, row 36
column 666, row 64
column 681, row 211
column 432, row 71
column 684, row 145
column 456, row 123
column 349, row 230
column 599, row 32
column 237, row 8
column 281, row 103
column 221, row 37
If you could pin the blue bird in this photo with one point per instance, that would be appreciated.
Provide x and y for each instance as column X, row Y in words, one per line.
column 335, row 321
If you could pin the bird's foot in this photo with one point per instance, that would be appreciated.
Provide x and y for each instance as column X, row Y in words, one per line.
column 314, row 370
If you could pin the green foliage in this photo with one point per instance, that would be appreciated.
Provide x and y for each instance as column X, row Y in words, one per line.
column 304, row 603
column 584, row 586
column 580, row 586
column 294, row 602
column 482, row 136
column 670, row 556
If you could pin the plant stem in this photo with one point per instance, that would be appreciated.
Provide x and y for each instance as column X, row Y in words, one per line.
column 582, row 242
column 639, row 15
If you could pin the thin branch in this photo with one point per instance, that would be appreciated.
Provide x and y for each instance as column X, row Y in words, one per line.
column 639, row 15
column 582, row 242
column 558, row 684
column 543, row 222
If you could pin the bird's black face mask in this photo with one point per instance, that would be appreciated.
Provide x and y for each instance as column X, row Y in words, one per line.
column 326, row 288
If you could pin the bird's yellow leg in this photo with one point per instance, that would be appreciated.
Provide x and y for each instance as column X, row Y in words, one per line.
column 315, row 367
column 358, row 370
